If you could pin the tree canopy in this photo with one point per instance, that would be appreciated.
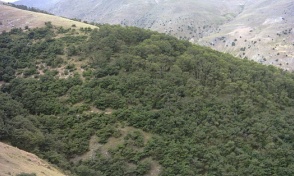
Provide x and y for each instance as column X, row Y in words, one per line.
column 192, row 110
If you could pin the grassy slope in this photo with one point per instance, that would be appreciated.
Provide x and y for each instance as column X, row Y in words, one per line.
column 15, row 161
column 13, row 17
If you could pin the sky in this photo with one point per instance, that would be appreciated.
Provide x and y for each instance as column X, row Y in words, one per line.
column 8, row 0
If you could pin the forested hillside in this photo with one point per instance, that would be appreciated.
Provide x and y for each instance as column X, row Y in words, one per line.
column 258, row 30
column 127, row 101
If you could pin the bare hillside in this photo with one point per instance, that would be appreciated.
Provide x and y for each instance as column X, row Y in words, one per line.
column 11, row 17
column 262, row 32
column 14, row 161
column 184, row 19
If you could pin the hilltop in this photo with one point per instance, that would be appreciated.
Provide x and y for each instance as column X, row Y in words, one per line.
column 256, row 30
column 11, row 17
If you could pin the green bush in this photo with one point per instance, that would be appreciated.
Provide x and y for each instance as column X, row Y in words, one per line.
column 26, row 174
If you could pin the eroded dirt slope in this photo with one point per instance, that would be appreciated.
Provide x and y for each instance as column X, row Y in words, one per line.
column 14, row 161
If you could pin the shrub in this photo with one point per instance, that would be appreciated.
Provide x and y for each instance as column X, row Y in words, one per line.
column 26, row 174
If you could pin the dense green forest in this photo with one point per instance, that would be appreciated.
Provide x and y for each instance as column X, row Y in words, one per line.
column 171, row 107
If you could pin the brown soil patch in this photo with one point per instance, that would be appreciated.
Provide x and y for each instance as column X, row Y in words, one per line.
column 93, row 147
column 155, row 168
column 107, row 111
column 113, row 142
column 15, row 161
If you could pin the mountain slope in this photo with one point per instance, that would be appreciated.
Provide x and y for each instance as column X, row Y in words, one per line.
column 161, row 15
column 14, row 161
column 40, row 4
column 126, row 101
column 262, row 32
column 265, row 26
column 11, row 17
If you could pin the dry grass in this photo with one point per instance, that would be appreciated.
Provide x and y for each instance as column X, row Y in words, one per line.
column 11, row 17
column 15, row 161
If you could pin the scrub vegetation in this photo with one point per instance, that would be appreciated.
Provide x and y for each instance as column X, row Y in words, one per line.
column 151, row 100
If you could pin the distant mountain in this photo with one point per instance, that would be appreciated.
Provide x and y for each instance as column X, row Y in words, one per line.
column 263, row 32
column 41, row 4
column 185, row 19
column 258, row 30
